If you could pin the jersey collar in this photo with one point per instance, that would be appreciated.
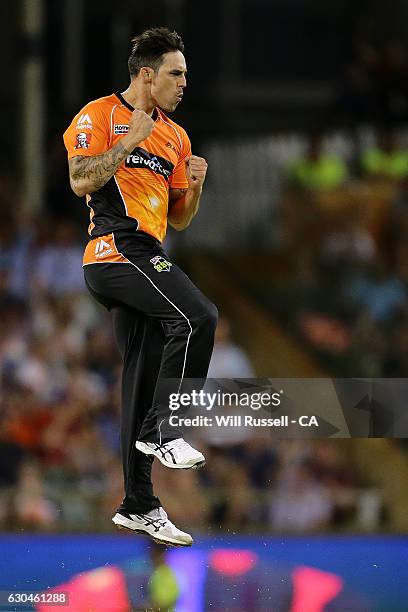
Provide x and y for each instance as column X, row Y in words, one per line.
column 155, row 115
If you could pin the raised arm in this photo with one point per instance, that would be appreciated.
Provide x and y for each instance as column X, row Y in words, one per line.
column 89, row 173
column 184, row 203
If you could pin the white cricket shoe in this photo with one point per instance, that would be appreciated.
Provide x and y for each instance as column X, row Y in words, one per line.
column 174, row 454
column 154, row 524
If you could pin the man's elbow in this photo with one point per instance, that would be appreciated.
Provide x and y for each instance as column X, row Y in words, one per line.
column 178, row 225
column 79, row 192
column 79, row 189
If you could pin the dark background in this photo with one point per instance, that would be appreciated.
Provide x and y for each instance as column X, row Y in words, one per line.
column 253, row 65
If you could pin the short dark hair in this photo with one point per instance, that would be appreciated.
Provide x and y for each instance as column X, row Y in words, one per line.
column 150, row 46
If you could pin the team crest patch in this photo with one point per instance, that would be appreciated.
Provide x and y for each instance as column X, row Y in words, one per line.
column 160, row 264
column 82, row 141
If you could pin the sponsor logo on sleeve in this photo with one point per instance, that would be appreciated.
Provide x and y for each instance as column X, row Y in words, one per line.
column 84, row 122
column 82, row 141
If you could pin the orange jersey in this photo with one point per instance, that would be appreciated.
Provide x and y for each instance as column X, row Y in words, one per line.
column 137, row 195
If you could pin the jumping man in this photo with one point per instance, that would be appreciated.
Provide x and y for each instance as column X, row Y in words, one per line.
column 135, row 167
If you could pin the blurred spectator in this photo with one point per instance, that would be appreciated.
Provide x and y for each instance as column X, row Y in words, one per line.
column 335, row 471
column 59, row 263
column 175, row 488
column 317, row 170
column 228, row 360
column 300, row 502
column 324, row 332
column 348, row 240
column 260, row 460
column 25, row 418
column 14, row 332
column 387, row 160
column 40, row 371
column 15, row 255
column 368, row 349
column 33, row 509
column 314, row 189
column 381, row 293
column 236, row 506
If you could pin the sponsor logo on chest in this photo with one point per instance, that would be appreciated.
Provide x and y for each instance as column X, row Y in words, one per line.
column 120, row 128
column 140, row 158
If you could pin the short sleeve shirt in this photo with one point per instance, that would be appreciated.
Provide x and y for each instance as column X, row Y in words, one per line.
column 137, row 196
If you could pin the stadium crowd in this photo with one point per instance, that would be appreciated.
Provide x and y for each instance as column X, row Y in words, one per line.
column 344, row 290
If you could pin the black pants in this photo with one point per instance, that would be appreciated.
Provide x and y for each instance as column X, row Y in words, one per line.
column 164, row 327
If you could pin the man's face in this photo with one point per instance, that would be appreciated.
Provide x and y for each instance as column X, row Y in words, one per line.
column 169, row 81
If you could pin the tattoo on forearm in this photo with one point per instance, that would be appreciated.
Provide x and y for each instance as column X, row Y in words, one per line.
column 99, row 168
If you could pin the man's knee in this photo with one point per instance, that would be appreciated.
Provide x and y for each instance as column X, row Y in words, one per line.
column 207, row 315
column 213, row 315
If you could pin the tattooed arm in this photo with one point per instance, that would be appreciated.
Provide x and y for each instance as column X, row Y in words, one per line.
column 89, row 173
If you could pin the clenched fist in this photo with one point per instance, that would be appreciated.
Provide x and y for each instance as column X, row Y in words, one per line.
column 196, row 170
column 140, row 128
